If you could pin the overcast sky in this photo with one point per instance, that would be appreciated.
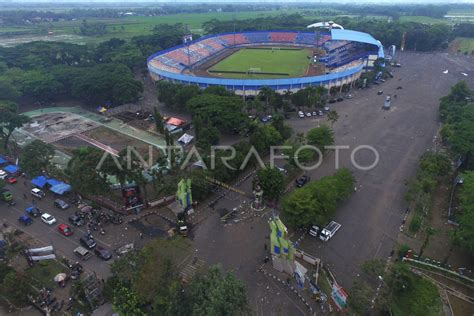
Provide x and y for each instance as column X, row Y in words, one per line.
column 250, row 1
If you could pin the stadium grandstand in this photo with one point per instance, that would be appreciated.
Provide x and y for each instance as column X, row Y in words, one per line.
column 343, row 54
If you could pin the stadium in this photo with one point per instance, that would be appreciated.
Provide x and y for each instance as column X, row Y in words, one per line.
column 282, row 60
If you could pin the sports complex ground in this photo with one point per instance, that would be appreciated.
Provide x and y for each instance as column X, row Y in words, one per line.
column 260, row 63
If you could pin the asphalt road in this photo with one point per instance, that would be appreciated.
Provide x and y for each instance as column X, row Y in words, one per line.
column 48, row 234
column 372, row 216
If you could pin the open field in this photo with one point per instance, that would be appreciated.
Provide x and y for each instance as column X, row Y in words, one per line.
column 128, row 27
column 280, row 62
column 463, row 45
column 424, row 19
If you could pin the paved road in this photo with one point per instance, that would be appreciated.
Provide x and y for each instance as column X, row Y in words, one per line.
column 372, row 216
column 48, row 234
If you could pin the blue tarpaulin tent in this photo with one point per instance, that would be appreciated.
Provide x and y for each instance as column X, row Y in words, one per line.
column 3, row 160
column 60, row 188
column 39, row 181
column 52, row 182
column 11, row 169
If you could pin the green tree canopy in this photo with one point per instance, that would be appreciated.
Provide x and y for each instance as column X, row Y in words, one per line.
column 36, row 157
column 272, row 183
column 320, row 137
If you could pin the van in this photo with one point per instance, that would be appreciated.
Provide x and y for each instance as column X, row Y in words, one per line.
column 37, row 192
column 82, row 253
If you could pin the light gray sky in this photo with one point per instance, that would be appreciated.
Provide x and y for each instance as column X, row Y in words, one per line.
column 248, row 1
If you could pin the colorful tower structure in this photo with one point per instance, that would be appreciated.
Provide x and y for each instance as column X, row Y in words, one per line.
column 282, row 249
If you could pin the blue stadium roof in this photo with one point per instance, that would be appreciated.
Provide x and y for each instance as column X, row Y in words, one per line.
column 354, row 36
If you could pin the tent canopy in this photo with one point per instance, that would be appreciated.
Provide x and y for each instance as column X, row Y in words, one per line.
column 11, row 168
column 186, row 139
column 175, row 121
column 60, row 188
column 39, row 181
column 52, row 182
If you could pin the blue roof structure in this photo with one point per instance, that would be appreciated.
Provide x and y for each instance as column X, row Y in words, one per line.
column 52, row 182
column 3, row 160
column 11, row 168
column 60, row 188
column 355, row 36
column 39, row 181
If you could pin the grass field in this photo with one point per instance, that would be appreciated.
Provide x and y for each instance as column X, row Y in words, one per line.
column 462, row 45
column 129, row 27
column 292, row 62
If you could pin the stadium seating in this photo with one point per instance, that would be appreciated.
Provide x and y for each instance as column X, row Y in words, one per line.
column 282, row 37
column 260, row 37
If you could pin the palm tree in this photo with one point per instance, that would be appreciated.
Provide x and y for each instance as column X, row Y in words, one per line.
column 333, row 116
column 267, row 94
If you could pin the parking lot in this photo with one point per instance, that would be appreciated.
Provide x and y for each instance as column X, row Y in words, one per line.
column 116, row 235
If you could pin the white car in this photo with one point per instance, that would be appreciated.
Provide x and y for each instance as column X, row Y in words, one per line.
column 315, row 113
column 3, row 175
column 37, row 192
column 308, row 114
column 301, row 114
column 48, row 218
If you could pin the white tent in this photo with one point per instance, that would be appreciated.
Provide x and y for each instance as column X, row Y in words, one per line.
column 186, row 139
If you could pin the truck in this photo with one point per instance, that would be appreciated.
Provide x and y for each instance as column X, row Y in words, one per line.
column 6, row 196
column 329, row 231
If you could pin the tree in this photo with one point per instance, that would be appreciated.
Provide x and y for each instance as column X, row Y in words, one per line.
column 333, row 116
column 320, row 137
column 8, row 91
column 278, row 122
column 272, row 182
column 16, row 288
column 160, row 126
column 10, row 120
column 214, row 293
column 360, row 296
column 317, row 201
column 82, row 173
column 264, row 137
column 126, row 301
column 224, row 113
column 36, row 157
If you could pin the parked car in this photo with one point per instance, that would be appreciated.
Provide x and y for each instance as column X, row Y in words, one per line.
column 379, row 92
column 348, row 96
column 87, row 242
column 340, row 99
column 76, row 220
column 33, row 211
column 124, row 249
column 11, row 180
column 314, row 230
column 399, row 88
column 3, row 175
column 332, row 101
column 327, row 109
column 82, row 253
column 61, row 204
column 320, row 113
column 329, row 231
column 25, row 220
column 282, row 170
column 301, row 114
column 102, row 253
column 48, row 218
column 38, row 193
column 302, row 181
column 65, row 229
column 308, row 114
column 315, row 113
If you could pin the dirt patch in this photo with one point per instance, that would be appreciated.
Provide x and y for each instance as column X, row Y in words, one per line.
column 53, row 127
column 116, row 140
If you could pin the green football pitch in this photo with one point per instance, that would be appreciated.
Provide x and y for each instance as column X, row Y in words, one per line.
column 279, row 63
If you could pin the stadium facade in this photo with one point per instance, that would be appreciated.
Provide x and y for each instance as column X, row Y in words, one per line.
column 347, row 55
